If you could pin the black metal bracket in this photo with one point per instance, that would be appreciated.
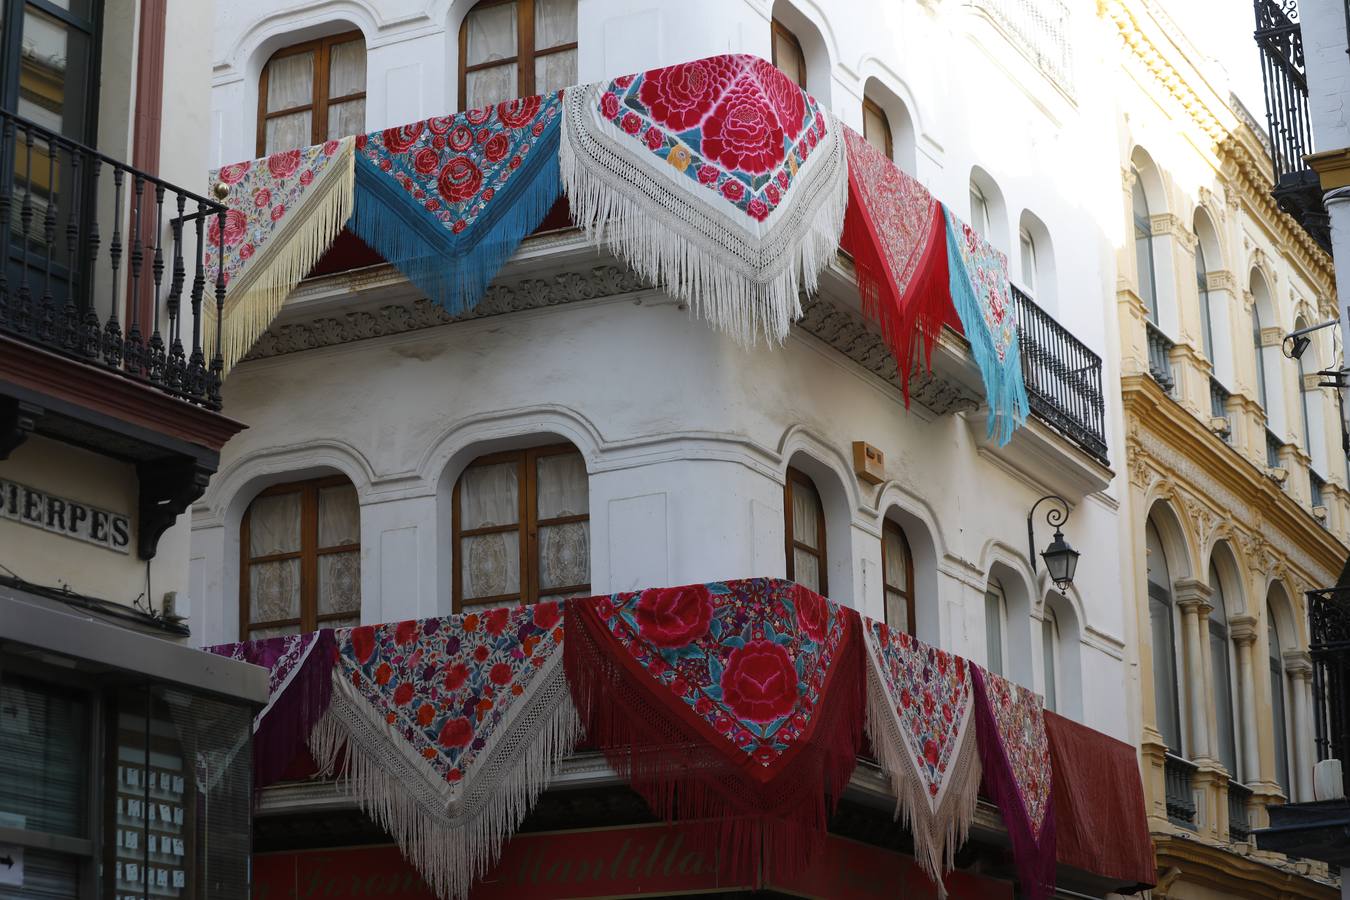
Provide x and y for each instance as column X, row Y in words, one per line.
column 167, row 489
column 18, row 419
column 1054, row 516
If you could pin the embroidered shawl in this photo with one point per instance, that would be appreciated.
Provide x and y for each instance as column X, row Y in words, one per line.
column 299, row 684
column 449, row 199
column 920, row 722
column 1015, row 754
column 896, row 233
column 719, row 180
column 739, row 703
column 449, row 729
column 284, row 211
column 979, row 291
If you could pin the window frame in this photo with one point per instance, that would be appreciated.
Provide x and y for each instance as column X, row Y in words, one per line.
column 994, row 589
column 1143, row 232
column 308, row 554
column 870, row 105
column 1279, row 708
column 1202, row 292
column 527, row 524
column 1259, row 353
column 979, row 201
column 11, row 40
column 893, row 527
column 791, row 544
column 1217, row 631
column 1026, row 246
column 778, row 29
column 526, row 53
column 319, row 101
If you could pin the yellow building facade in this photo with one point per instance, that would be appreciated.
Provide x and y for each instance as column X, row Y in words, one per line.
column 1237, row 500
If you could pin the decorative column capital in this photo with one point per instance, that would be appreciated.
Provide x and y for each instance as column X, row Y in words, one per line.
column 1243, row 630
column 1298, row 663
column 1193, row 595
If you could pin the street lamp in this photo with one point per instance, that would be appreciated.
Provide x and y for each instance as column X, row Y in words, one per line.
column 1061, row 560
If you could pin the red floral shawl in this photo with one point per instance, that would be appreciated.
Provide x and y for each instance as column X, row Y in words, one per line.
column 737, row 702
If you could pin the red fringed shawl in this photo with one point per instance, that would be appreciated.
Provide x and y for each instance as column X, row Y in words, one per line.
column 895, row 232
column 740, row 703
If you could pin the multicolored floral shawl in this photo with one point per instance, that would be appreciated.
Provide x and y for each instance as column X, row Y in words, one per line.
column 450, row 728
column 920, row 721
column 979, row 291
column 448, row 200
column 299, row 685
column 285, row 210
column 896, row 234
column 719, row 179
column 737, row 702
column 1015, row 754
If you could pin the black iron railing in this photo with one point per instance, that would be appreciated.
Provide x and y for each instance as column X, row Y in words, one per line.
column 1160, row 357
column 1177, row 774
column 1063, row 377
column 1329, row 646
column 1239, row 825
column 104, row 263
column 1288, row 122
column 1218, row 406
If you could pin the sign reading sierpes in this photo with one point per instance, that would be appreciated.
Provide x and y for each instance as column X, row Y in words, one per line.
column 60, row 515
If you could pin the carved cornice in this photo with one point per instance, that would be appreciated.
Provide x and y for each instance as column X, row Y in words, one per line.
column 1221, row 280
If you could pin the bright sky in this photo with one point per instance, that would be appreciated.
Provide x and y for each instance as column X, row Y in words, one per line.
column 1222, row 31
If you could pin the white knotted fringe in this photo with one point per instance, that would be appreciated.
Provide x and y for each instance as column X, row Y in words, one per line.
column 743, row 276
column 256, row 295
column 937, row 832
column 451, row 835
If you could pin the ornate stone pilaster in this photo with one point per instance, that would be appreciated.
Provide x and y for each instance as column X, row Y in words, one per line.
column 1298, row 669
column 1192, row 598
column 1242, row 629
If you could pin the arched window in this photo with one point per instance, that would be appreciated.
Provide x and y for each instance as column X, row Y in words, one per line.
column 300, row 549
column 979, row 211
column 877, row 128
column 1301, row 322
column 1028, row 246
column 1202, row 293
column 1050, row 658
column 995, row 627
column 516, row 48
column 1261, row 297
column 1220, row 657
column 312, row 92
column 805, row 529
column 788, row 55
column 897, row 575
column 1143, row 249
column 1163, row 633
column 1277, row 705
column 521, row 528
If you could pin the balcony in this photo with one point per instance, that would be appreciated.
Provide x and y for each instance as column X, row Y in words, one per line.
column 1218, row 409
column 1160, row 357
column 1177, row 776
column 102, row 291
column 1239, row 824
column 1273, row 447
column 1297, row 190
column 1063, row 377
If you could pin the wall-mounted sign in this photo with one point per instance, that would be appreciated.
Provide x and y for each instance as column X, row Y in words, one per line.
column 60, row 515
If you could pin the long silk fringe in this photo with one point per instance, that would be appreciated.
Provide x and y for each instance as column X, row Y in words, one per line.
column 256, row 297
column 393, row 224
column 742, row 307
column 1004, row 388
column 939, row 833
column 449, row 853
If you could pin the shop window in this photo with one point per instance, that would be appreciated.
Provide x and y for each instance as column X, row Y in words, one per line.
column 995, row 627
column 788, row 55
column 312, row 92
column 877, row 128
column 522, row 528
column 805, row 528
column 516, row 48
column 300, row 545
column 897, row 574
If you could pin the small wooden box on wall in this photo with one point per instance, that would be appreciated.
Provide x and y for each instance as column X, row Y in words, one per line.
column 869, row 463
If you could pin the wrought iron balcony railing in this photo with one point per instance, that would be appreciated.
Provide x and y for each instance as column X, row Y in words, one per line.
column 1160, row 357
column 1329, row 646
column 1289, row 125
column 102, row 263
column 1063, row 377
column 1177, row 773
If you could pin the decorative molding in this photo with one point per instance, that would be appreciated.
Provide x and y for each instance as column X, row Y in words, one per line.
column 1272, row 336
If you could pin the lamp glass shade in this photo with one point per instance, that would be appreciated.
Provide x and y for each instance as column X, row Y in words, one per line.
column 1301, row 343
column 1061, row 560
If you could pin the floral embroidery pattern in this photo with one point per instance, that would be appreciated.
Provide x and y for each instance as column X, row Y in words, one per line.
column 1020, row 721
column 749, row 659
column 733, row 124
column 987, row 269
column 454, row 166
column 446, row 684
column 930, row 691
column 262, row 192
column 279, row 655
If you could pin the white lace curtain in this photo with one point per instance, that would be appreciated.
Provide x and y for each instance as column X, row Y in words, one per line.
column 806, row 512
column 290, row 85
column 492, row 33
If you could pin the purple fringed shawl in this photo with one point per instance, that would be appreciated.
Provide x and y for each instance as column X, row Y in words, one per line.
column 299, row 686
column 1015, row 756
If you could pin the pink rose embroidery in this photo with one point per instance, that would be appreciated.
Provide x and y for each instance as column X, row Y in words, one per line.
column 284, row 163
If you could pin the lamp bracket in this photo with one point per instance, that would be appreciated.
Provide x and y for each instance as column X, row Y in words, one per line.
column 1055, row 517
